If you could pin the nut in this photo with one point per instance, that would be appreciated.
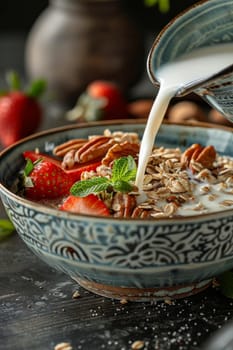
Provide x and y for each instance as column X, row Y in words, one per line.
column 140, row 108
column 218, row 118
column 140, row 213
column 186, row 111
column 123, row 204
column 95, row 148
column 207, row 157
column 65, row 147
column 199, row 154
column 69, row 159
column 120, row 150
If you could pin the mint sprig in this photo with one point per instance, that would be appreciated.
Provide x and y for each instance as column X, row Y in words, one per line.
column 123, row 175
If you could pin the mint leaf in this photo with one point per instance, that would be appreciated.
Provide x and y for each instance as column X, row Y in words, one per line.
column 226, row 283
column 86, row 187
column 124, row 169
column 6, row 228
column 122, row 186
column 123, row 173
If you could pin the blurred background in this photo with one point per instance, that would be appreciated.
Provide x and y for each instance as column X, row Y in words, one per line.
column 71, row 43
column 17, row 19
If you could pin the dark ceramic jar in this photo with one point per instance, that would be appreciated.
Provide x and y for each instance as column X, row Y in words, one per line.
column 76, row 41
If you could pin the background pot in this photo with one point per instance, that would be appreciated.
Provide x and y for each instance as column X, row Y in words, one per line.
column 76, row 41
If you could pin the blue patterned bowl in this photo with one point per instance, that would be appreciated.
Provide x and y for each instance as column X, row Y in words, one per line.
column 206, row 23
column 124, row 258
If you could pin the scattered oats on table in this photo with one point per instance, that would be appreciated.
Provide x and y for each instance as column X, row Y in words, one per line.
column 63, row 346
column 137, row 345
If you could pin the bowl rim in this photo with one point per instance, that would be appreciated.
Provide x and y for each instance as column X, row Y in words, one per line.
column 161, row 33
column 78, row 217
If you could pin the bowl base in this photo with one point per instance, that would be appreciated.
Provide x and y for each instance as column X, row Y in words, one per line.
column 144, row 294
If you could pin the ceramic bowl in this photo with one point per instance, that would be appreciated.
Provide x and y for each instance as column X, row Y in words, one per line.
column 124, row 258
column 222, row 339
column 206, row 23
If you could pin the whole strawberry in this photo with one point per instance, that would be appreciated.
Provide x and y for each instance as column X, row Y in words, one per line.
column 45, row 179
column 20, row 111
column 102, row 100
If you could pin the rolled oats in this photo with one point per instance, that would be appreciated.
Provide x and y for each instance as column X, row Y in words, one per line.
column 226, row 203
column 137, row 345
column 63, row 346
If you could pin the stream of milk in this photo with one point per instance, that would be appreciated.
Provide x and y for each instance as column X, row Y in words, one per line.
column 193, row 67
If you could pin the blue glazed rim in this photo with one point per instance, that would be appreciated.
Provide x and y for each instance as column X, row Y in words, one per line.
column 166, row 32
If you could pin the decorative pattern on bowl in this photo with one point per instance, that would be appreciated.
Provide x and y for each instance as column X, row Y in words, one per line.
column 128, row 258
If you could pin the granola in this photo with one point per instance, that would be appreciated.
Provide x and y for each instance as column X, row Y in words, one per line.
column 176, row 183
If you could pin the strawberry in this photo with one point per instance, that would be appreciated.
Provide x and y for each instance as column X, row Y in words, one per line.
column 74, row 173
column 34, row 156
column 20, row 111
column 90, row 205
column 101, row 100
column 46, row 180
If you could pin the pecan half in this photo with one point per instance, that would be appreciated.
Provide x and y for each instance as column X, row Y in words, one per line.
column 207, row 157
column 68, row 161
column 123, row 204
column 62, row 149
column 95, row 148
column 199, row 154
column 188, row 154
column 140, row 213
column 120, row 150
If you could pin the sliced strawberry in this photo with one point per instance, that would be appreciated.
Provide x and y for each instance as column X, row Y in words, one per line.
column 48, row 181
column 34, row 156
column 74, row 173
column 90, row 205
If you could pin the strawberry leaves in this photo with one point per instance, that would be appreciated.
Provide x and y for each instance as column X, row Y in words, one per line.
column 123, row 174
column 34, row 90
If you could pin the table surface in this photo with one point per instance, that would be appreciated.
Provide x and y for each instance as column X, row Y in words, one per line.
column 38, row 311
